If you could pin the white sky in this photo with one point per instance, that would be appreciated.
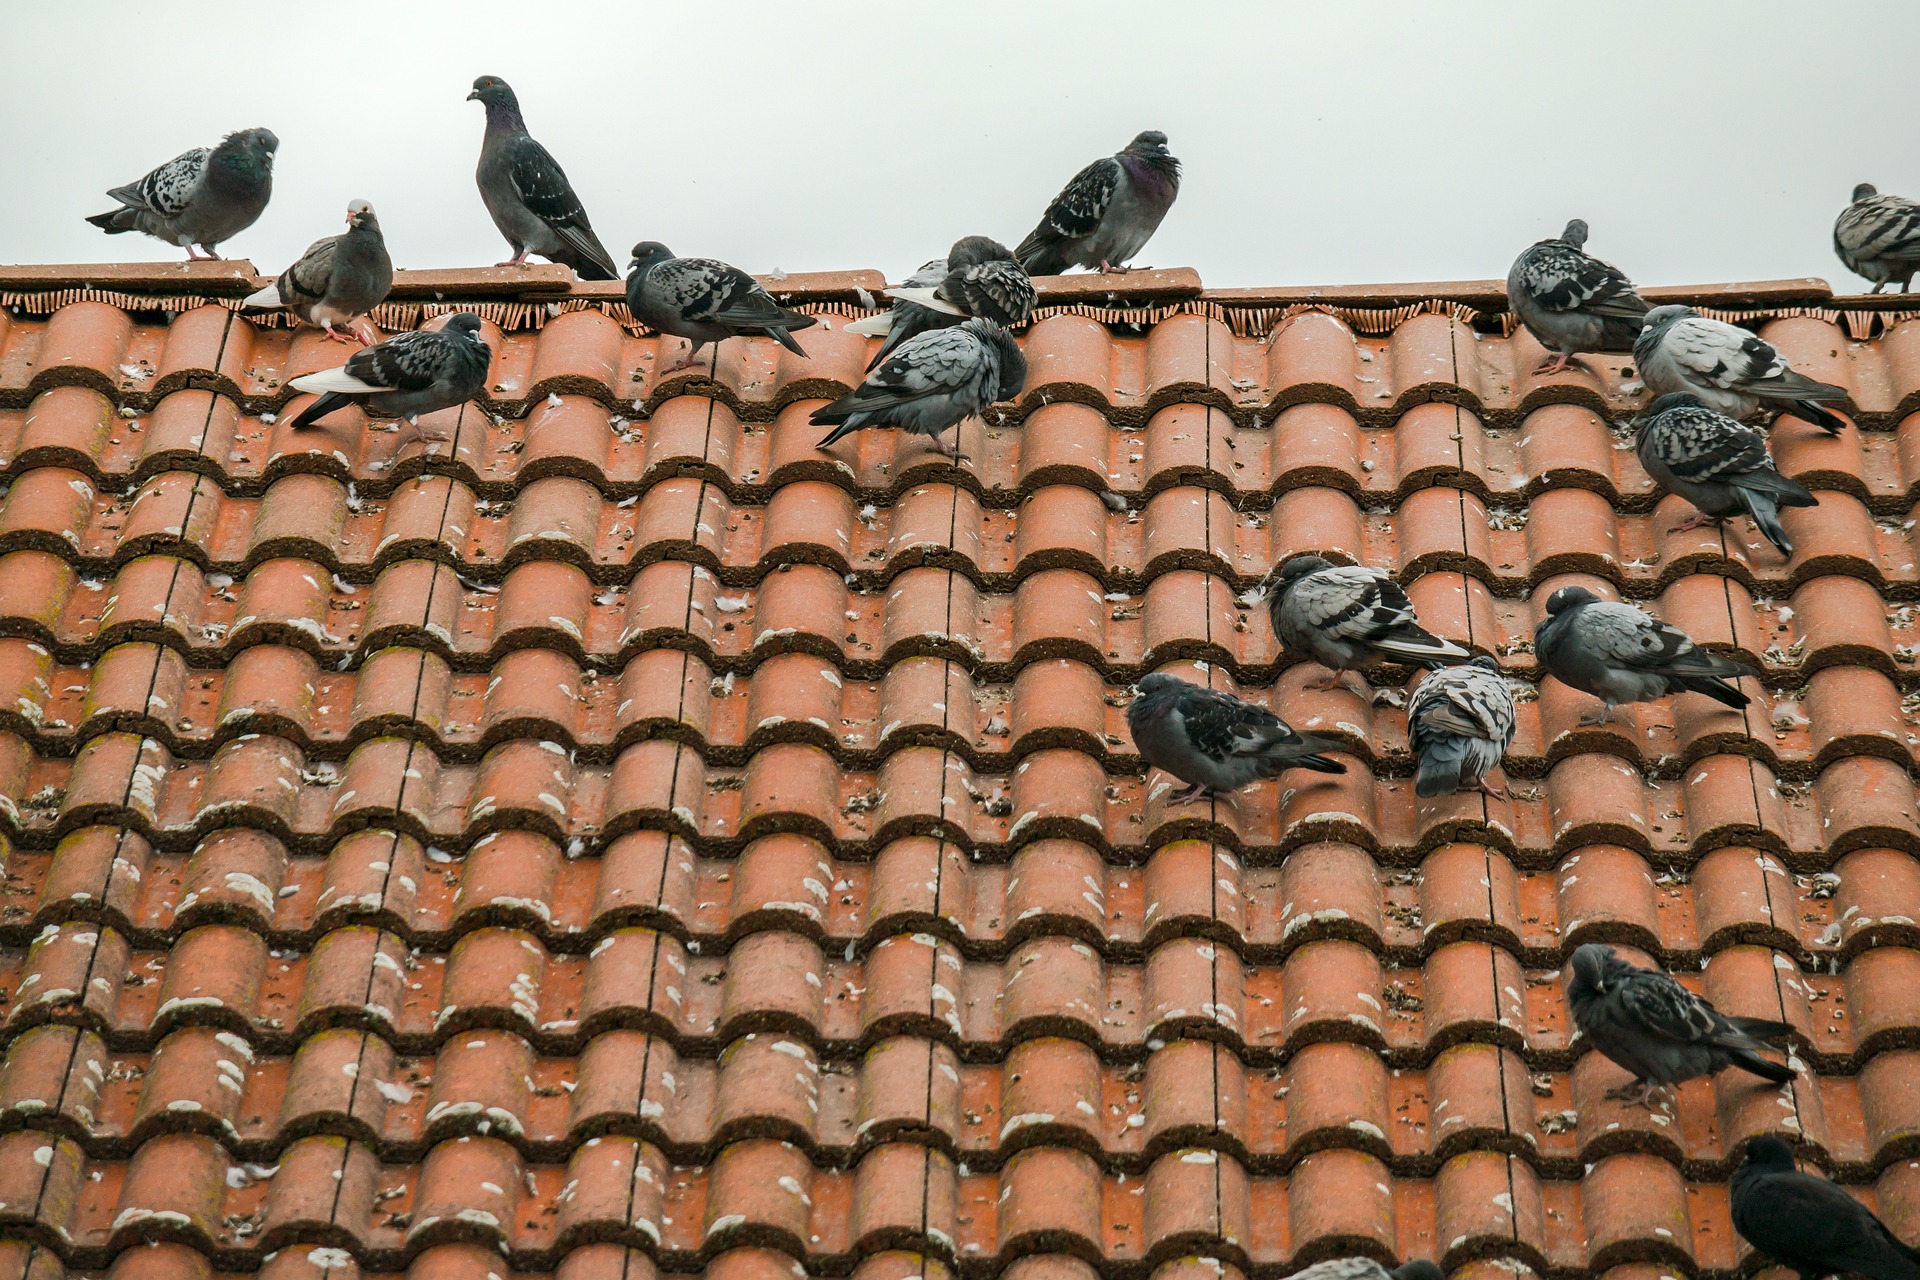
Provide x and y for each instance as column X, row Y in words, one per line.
column 1324, row 143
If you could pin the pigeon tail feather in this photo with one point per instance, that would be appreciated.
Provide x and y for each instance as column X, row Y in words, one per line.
column 267, row 297
column 1748, row 1060
column 1827, row 422
column 338, row 380
column 1440, row 768
column 926, row 297
column 319, row 409
column 876, row 326
column 110, row 221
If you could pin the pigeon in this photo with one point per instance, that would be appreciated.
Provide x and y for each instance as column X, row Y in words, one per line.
column 1728, row 368
column 931, row 382
column 1879, row 237
column 1107, row 213
column 1214, row 742
column 409, row 374
column 704, row 300
column 978, row 277
column 1809, row 1224
column 528, row 194
column 1719, row 465
column 200, row 197
column 1573, row 302
column 1664, row 1034
column 338, row 279
column 1460, row 720
column 1619, row 654
column 1343, row 616
column 1368, row 1269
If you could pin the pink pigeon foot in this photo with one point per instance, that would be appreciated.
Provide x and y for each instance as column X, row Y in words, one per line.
column 1559, row 364
column 1183, row 795
column 1698, row 520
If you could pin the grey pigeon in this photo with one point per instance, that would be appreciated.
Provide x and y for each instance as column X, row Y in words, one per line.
column 1214, row 742
column 931, row 382
column 338, row 279
column 1619, row 654
column 1809, row 1224
column 1719, row 465
column 200, row 197
column 1573, row 302
column 1728, row 368
column 1344, row 616
column 1368, row 1269
column 1879, row 237
column 1107, row 213
column 978, row 277
column 409, row 374
column 1460, row 720
column 527, row 191
column 1643, row 1020
column 704, row 300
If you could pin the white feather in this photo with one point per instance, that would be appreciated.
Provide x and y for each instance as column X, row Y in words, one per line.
column 267, row 297
column 878, row 326
column 334, row 380
column 926, row 298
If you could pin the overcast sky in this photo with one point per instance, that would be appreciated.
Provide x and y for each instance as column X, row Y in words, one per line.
column 1324, row 143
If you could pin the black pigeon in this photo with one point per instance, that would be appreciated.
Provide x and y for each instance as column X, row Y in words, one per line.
column 1719, row 465
column 978, row 277
column 338, row 279
column 1619, row 654
column 1344, row 616
column 1214, row 742
column 1664, row 1034
column 201, row 197
column 1728, row 368
column 1460, row 721
column 1573, row 302
column 1809, row 1224
column 1879, row 237
column 527, row 191
column 704, row 300
column 409, row 374
column 934, row 381
column 1107, row 213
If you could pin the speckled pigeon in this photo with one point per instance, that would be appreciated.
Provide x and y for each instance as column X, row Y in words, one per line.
column 1344, row 616
column 1573, row 302
column 1809, row 1224
column 1107, row 213
column 1728, row 368
column 338, row 279
column 1719, row 465
column 1460, row 721
column 1664, row 1034
column 1368, row 1269
column 1214, row 742
column 1620, row 654
column 1879, row 237
column 200, row 197
column 978, row 277
column 527, row 191
column 931, row 382
column 409, row 374
column 704, row 300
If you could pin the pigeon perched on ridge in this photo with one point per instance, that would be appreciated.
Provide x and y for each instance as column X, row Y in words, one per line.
column 704, row 300
column 1879, row 237
column 200, row 197
column 1620, row 654
column 1728, row 368
column 1809, row 1224
column 1719, row 465
column 1460, row 721
column 527, row 192
column 978, row 277
column 1368, row 1269
column 422, row 371
column 1344, row 616
column 1573, row 302
column 1107, row 213
column 338, row 279
column 1214, row 742
column 931, row 382
column 1643, row 1020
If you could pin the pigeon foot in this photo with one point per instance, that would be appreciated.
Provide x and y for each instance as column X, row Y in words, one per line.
column 1589, row 718
column 1195, row 792
column 1559, row 364
column 338, row 336
column 1639, row 1093
column 517, row 260
column 1487, row 789
column 1698, row 520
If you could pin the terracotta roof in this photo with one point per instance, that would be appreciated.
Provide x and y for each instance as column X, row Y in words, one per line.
column 629, row 842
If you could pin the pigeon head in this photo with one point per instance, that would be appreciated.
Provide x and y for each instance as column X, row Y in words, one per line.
column 1770, row 1153
column 1661, row 317
column 1865, row 191
column 971, row 251
column 1570, row 599
column 1484, row 661
column 247, row 150
column 1150, row 143
column 1575, row 235
column 497, row 96
column 1672, row 400
column 464, row 324
column 1158, row 682
column 1594, row 965
column 1299, row 567
column 360, row 214
column 1418, row 1269
column 1013, row 364
column 648, row 253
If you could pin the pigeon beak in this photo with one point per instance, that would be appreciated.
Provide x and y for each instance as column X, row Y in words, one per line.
column 472, row 96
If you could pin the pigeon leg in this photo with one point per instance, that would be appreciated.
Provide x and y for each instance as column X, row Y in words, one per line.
column 1606, row 714
column 1185, row 794
column 1559, row 364
column 1698, row 520
column 688, row 360
column 1487, row 789
column 1108, row 269
column 516, row 260
column 1878, row 287
column 1324, row 683
column 209, row 256
column 1637, row 1093
column 338, row 336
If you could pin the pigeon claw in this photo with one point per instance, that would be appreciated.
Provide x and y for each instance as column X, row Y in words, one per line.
column 1196, row 791
column 1636, row 1093
column 1589, row 718
column 1487, row 789
column 1698, row 520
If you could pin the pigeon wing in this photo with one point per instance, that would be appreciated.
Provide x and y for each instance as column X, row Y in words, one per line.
column 1700, row 445
column 409, row 361
column 1083, row 202
column 166, row 189
column 543, row 187
column 1221, row 725
column 937, row 362
column 1560, row 277
column 1662, row 1006
column 999, row 291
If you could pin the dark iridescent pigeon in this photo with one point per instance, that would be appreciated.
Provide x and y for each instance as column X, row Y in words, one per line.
column 704, row 300
column 1344, row 616
column 978, row 277
column 1573, row 302
column 1214, row 742
column 1460, row 722
column 931, row 382
column 1664, row 1034
column 1879, row 237
column 1107, row 213
column 201, row 197
column 1368, row 1269
column 1728, row 368
column 1809, row 1224
column 1619, row 654
column 527, row 191
column 1719, row 465
column 338, row 279
column 409, row 374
